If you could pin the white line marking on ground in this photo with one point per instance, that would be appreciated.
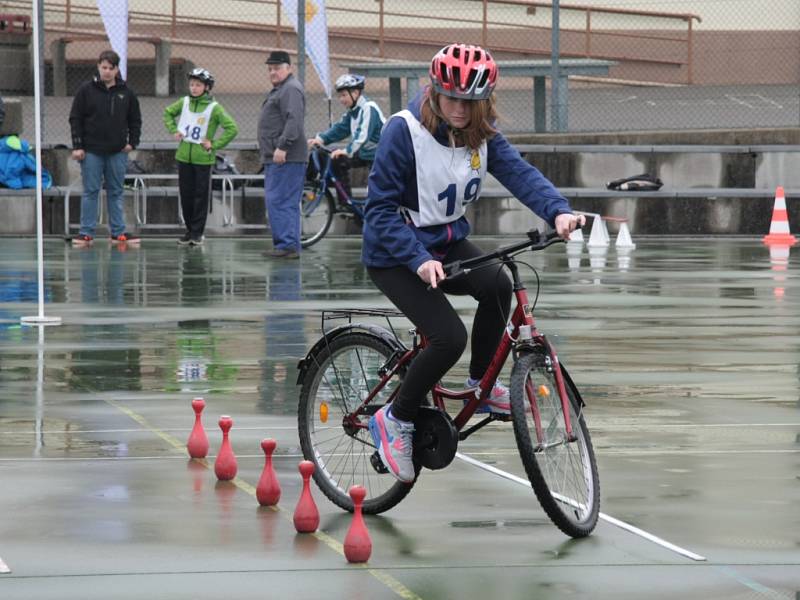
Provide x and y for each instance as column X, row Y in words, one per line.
column 739, row 101
column 769, row 101
column 609, row 519
column 4, row 567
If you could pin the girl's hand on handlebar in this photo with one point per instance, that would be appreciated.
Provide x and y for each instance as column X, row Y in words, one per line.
column 431, row 272
column 315, row 141
column 567, row 223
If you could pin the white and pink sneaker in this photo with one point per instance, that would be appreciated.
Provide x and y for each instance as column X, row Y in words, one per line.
column 498, row 401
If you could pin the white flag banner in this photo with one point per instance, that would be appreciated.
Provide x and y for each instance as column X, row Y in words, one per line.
column 316, row 37
column 115, row 19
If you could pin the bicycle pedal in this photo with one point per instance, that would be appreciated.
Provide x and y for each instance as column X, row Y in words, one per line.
column 377, row 463
column 500, row 417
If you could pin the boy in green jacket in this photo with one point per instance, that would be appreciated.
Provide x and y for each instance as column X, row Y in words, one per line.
column 193, row 120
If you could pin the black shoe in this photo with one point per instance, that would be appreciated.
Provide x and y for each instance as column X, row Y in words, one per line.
column 197, row 241
column 185, row 240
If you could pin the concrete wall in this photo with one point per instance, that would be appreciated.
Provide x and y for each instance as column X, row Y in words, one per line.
column 586, row 167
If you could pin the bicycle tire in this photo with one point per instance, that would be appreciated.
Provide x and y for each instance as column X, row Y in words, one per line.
column 563, row 474
column 341, row 374
column 316, row 215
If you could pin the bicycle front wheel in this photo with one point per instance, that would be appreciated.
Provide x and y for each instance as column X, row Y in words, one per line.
column 316, row 215
column 333, row 434
column 562, row 470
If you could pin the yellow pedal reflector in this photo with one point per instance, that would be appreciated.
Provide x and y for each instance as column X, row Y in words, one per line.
column 323, row 412
column 543, row 391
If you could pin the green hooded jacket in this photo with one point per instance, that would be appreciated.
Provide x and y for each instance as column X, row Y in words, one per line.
column 194, row 153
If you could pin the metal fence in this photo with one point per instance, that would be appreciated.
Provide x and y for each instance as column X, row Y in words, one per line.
column 725, row 64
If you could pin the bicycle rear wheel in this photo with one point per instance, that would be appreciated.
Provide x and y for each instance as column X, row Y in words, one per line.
column 562, row 471
column 340, row 377
column 316, row 215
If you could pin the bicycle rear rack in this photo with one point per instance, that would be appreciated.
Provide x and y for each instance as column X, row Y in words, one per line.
column 347, row 314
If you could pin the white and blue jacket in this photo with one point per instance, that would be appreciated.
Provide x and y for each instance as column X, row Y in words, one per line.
column 405, row 227
column 362, row 124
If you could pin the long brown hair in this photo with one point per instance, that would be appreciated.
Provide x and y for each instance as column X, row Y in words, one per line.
column 483, row 114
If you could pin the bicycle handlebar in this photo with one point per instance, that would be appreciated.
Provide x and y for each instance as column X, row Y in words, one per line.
column 324, row 149
column 536, row 241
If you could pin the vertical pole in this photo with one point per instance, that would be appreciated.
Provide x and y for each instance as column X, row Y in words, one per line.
column 68, row 15
column 37, row 109
column 301, row 41
column 558, row 111
column 587, row 49
column 690, row 52
column 380, row 29
column 37, row 101
column 173, row 23
column 40, row 43
column 278, row 23
column 484, row 34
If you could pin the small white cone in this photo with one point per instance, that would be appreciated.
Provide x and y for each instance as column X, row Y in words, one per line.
column 624, row 259
column 574, row 262
column 599, row 236
column 598, row 258
column 624, row 237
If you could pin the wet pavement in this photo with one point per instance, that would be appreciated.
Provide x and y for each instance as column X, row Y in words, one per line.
column 686, row 350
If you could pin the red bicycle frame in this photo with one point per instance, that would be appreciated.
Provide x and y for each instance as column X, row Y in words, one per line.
column 522, row 316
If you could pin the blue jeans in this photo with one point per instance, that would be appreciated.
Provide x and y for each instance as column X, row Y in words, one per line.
column 95, row 168
column 283, row 186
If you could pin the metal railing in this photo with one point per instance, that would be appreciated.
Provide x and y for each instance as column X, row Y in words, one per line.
column 381, row 26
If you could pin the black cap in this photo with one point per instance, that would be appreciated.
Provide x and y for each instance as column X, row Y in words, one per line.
column 277, row 57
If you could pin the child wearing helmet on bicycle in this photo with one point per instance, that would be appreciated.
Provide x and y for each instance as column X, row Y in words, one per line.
column 431, row 162
column 361, row 122
column 193, row 120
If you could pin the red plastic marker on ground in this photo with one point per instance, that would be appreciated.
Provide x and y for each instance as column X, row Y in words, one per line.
column 306, row 515
column 268, row 491
column 197, row 445
column 357, row 544
column 225, row 466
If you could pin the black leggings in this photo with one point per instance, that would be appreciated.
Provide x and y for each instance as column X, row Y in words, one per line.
column 341, row 168
column 434, row 316
column 194, row 185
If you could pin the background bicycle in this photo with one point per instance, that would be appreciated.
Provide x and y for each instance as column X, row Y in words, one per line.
column 324, row 197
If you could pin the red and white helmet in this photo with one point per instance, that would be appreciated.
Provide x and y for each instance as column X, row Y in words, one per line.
column 464, row 71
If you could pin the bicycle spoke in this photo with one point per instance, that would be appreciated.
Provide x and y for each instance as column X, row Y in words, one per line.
column 332, row 434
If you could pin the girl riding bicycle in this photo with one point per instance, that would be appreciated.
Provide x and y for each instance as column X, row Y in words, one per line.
column 431, row 162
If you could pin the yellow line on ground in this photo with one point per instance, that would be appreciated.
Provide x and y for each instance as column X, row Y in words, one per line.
column 386, row 579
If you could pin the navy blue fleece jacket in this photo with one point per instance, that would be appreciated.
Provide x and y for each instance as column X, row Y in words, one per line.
column 391, row 241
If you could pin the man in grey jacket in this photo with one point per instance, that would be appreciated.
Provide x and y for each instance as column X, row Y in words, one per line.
column 282, row 145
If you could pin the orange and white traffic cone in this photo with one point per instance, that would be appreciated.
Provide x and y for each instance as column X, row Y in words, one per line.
column 779, row 233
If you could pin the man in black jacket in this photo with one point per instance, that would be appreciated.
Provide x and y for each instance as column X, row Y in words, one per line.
column 106, row 124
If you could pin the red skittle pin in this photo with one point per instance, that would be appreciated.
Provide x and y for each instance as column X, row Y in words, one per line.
column 197, row 445
column 357, row 544
column 306, row 515
column 268, row 491
column 225, row 466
